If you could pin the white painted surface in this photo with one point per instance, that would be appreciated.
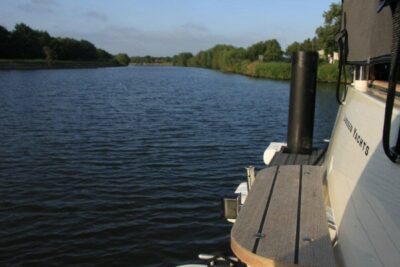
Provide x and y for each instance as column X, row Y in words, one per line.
column 361, row 85
column 269, row 153
column 242, row 190
column 364, row 185
column 335, row 56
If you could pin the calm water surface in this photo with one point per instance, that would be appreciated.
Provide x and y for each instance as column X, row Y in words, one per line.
column 126, row 166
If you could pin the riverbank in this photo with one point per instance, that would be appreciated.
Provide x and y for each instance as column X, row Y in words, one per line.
column 166, row 64
column 22, row 64
column 282, row 71
column 327, row 73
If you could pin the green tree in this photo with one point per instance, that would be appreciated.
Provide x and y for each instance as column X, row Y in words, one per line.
column 206, row 59
column 71, row 49
column 181, row 59
column 220, row 55
column 5, row 47
column 293, row 48
column 256, row 50
column 151, row 60
column 326, row 33
column 49, row 54
column 147, row 59
column 122, row 59
column 234, row 57
column 273, row 51
column 136, row 60
column 308, row 45
column 25, row 42
column 86, row 50
column 103, row 55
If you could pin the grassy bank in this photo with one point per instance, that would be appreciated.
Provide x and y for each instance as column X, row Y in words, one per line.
column 21, row 64
column 152, row 64
column 282, row 70
column 271, row 70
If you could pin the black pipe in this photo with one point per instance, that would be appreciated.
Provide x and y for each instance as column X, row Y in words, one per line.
column 397, row 147
column 302, row 102
column 392, row 153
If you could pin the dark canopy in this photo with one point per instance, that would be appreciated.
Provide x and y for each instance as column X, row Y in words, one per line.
column 369, row 32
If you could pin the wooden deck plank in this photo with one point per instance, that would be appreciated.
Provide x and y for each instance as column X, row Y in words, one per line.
column 314, row 242
column 250, row 217
column 303, row 159
column 279, row 159
column 317, row 157
column 281, row 220
column 291, row 160
column 279, row 227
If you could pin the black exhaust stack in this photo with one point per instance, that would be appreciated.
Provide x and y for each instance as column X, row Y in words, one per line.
column 302, row 102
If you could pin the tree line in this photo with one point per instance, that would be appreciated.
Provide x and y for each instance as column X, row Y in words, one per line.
column 142, row 60
column 229, row 58
column 24, row 42
column 234, row 59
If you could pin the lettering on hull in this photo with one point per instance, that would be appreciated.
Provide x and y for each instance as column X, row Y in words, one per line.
column 357, row 136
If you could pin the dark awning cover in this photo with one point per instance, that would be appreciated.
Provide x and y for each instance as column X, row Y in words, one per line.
column 369, row 32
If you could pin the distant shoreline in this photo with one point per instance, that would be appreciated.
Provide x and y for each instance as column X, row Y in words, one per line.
column 38, row 64
column 327, row 73
column 152, row 64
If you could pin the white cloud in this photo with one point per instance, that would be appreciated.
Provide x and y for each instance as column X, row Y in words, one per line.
column 194, row 27
column 39, row 6
column 96, row 16
column 158, row 43
column 187, row 37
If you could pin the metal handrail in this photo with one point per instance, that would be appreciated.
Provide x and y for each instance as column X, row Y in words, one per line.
column 342, row 38
column 393, row 153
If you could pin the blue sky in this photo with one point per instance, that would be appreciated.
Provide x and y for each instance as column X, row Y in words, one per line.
column 166, row 27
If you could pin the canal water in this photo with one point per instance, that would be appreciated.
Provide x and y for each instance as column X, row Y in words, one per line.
column 126, row 166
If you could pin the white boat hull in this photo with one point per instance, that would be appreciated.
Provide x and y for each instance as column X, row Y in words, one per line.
column 364, row 185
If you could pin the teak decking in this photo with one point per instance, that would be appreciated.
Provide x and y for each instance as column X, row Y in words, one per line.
column 315, row 158
column 283, row 221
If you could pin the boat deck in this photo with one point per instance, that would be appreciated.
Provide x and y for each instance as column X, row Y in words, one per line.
column 282, row 158
column 283, row 221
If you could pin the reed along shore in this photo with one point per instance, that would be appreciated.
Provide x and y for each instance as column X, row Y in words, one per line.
column 21, row 64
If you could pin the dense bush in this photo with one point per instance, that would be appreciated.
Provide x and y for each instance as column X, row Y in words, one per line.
column 328, row 72
column 122, row 59
column 140, row 60
column 265, row 59
column 228, row 58
column 282, row 71
column 273, row 70
column 182, row 59
column 26, row 43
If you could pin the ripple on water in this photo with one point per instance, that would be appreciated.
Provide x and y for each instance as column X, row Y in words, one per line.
column 126, row 166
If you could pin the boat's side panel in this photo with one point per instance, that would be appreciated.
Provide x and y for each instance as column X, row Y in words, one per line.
column 364, row 185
